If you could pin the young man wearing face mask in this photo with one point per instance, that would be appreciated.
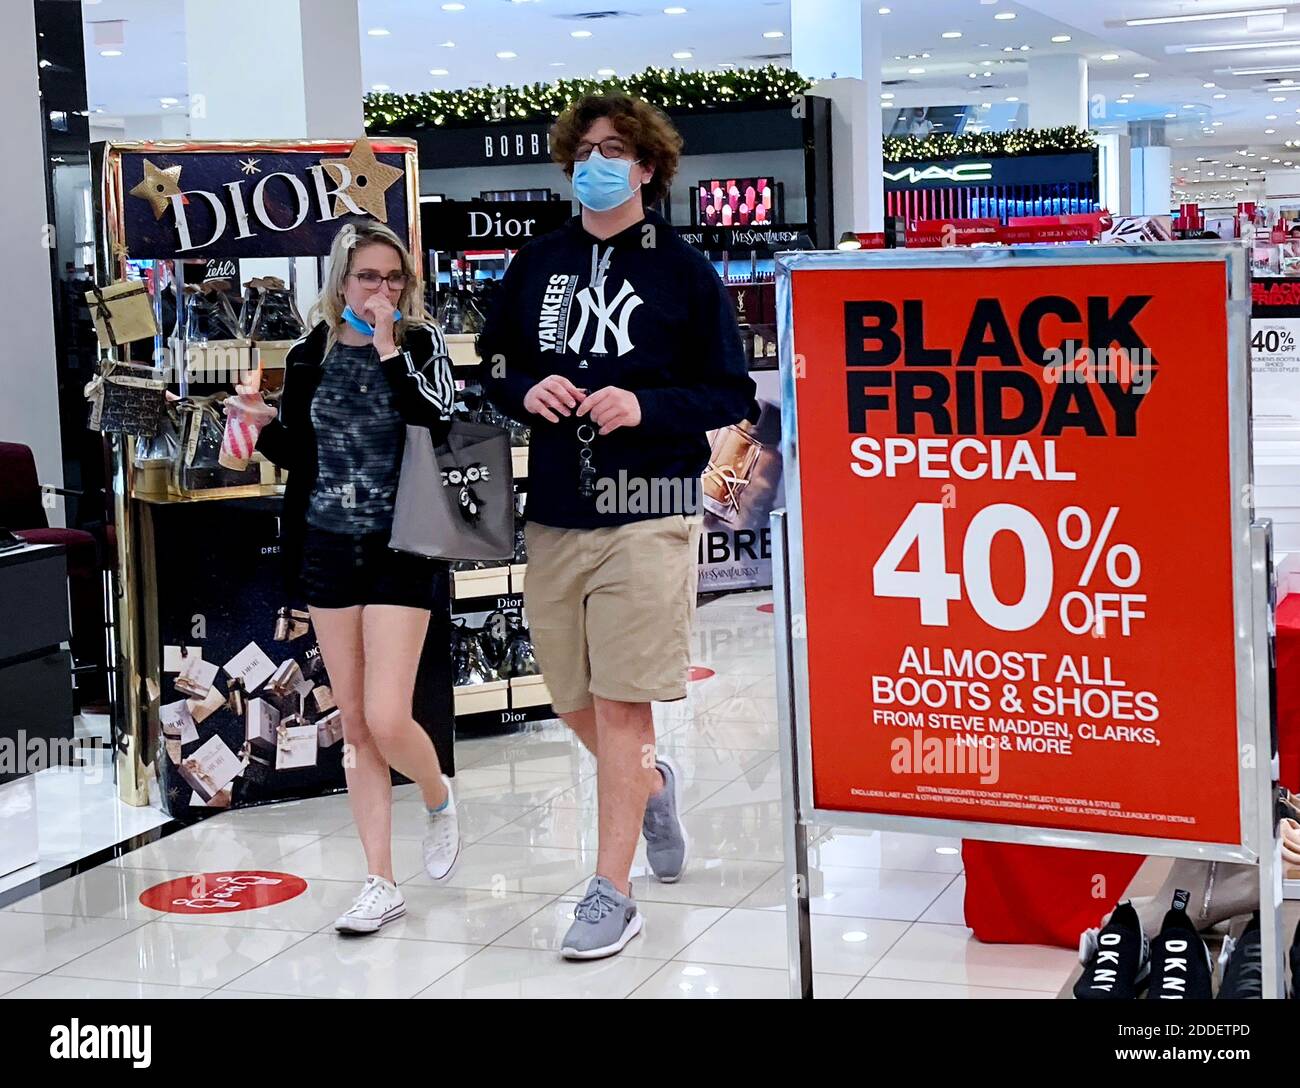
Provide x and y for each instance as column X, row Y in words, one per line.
column 618, row 344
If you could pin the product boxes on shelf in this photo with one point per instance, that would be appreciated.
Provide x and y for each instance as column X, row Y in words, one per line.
column 476, row 698
column 489, row 581
column 529, row 691
column 460, row 346
column 517, row 573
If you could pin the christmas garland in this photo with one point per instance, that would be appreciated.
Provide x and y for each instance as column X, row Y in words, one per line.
column 984, row 144
column 670, row 89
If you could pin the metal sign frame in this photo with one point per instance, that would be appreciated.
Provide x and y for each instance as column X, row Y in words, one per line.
column 1252, row 596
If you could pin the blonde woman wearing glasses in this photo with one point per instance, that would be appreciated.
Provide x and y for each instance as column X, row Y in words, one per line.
column 372, row 363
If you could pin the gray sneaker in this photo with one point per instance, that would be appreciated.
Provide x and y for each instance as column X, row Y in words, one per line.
column 603, row 923
column 666, row 842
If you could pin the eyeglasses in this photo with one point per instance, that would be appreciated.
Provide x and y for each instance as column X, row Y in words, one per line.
column 611, row 147
column 370, row 279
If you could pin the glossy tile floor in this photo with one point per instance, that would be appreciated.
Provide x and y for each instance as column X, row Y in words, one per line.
column 887, row 907
column 78, row 814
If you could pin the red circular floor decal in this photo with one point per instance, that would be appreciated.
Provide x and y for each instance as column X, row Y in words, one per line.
column 223, row 893
column 699, row 672
column 768, row 608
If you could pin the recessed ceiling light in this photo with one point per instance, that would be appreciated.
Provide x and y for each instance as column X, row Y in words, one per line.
column 378, row 32
column 1270, row 117
column 506, row 54
column 579, row 33
column 1004, row 15
column 1207, row 86
column 882, row 11
column 674, row 11
column 557, row 64
column 1159, row 20
column 1170, row 115
column 1269, row 131
column 446, row 45
column 1060, row 38
column 1188, row 106
column 176, row 101
column 951, row 34
column 110, row 52
column 1216, row 124
column 1024, row 49
column 453, row 7
column 916, row 71
column 1109, row 56
column 726, row 64
column 887, row 95
column 774, row 33
column 373, row 87
column 1012, row 98
column 604, row 71
column 1220, row 95
column 683, row 54
column 854, row 936
column 438, row 72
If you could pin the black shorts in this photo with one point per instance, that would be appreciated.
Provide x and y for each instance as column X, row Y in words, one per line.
column 342, row 571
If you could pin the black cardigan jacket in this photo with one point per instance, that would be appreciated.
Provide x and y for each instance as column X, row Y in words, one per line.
column 423, row 393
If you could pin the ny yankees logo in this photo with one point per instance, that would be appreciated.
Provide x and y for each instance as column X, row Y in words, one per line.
column 612, row 316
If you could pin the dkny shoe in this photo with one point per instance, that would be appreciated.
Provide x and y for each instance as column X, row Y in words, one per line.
column 1243, row 973
column 1181, row 967
column 1116, row 958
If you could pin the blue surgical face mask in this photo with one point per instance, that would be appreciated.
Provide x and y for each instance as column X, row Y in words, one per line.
column 361, row 324
column 603, row 184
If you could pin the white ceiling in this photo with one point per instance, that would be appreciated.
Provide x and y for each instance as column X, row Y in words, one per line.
column 1236, row 110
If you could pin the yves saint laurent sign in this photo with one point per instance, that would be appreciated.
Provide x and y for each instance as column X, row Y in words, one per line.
column 760, row 239
column 272, row 199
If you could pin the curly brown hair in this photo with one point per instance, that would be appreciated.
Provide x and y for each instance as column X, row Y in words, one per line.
column 657, row 142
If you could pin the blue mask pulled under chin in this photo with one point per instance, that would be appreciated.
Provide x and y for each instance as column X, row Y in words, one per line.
column 361, row 324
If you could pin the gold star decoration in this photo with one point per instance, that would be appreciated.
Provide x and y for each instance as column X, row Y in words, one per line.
column 368, row 180
column 158, row 186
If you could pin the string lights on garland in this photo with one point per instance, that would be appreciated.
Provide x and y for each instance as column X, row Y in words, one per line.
column 1021, row 142
column 670, row 89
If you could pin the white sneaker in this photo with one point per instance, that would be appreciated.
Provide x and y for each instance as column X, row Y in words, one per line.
column 442, row 843
column 378, row 904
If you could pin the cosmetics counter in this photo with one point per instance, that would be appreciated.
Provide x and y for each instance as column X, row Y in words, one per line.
column 221, row 699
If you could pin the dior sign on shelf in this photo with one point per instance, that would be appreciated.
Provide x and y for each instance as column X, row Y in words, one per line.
column 255, row 199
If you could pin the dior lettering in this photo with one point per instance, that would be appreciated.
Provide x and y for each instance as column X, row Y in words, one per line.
column 483, row 225
column 325, row 198
column 95, row 1042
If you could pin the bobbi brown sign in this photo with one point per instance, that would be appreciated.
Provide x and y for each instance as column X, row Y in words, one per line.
column 255, row 199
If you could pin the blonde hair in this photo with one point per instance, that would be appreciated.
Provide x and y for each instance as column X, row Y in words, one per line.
column 330, row 303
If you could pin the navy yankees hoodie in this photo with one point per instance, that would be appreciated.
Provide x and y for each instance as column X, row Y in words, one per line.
column 642, row 311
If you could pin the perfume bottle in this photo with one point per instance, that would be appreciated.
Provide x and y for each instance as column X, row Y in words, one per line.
column 732, row 461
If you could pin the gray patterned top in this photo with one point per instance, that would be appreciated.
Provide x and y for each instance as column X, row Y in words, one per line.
column 359, row 438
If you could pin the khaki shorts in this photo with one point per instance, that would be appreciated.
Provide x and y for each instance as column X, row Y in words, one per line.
column 610, row 610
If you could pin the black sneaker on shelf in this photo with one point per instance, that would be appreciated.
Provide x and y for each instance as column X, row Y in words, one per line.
column 1181, row 968
column 1243, row 977
column 1116, row 958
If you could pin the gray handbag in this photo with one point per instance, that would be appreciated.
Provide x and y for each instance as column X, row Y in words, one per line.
column 456, row 501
